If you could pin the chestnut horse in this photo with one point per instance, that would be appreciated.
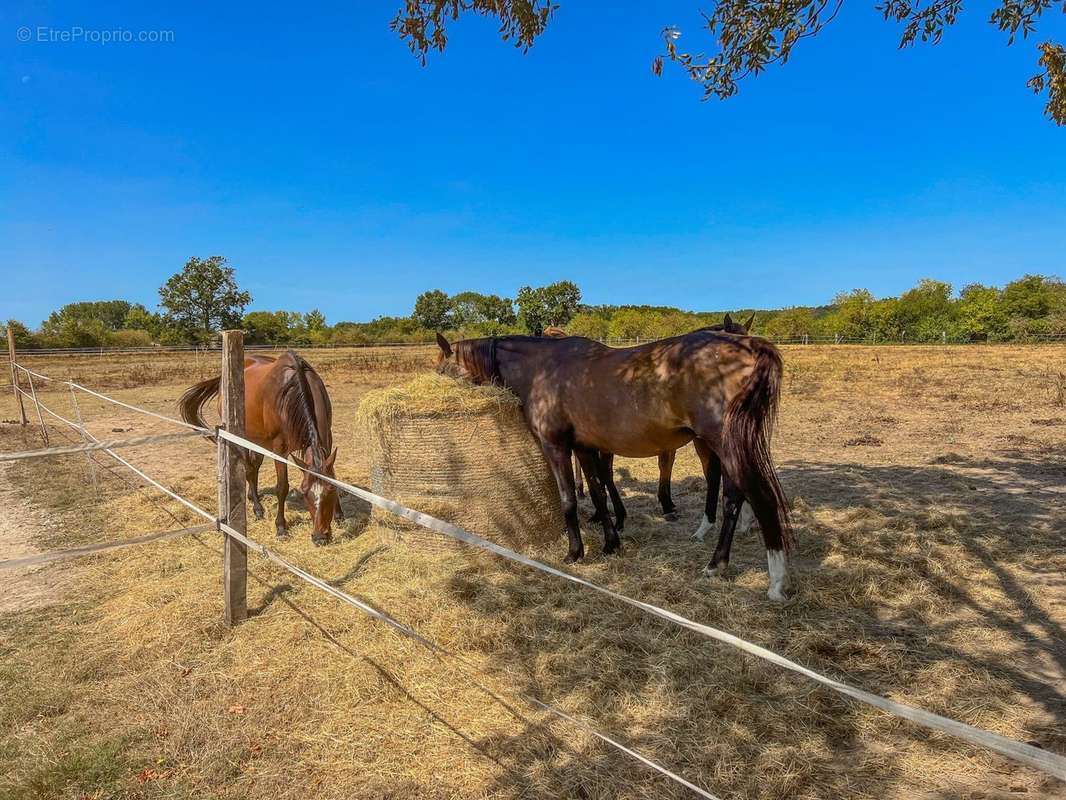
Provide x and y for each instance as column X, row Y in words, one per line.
column 286, row 410
column 717, row 390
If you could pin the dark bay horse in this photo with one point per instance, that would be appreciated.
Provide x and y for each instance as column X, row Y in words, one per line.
column 286, row 410
column 717, row 390
column 712, row 469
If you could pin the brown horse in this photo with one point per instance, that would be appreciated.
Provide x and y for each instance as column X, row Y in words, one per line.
column 713, row 470
column 286, row 410
column 717, row 390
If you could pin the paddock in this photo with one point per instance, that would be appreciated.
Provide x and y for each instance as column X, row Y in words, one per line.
column 928, row 488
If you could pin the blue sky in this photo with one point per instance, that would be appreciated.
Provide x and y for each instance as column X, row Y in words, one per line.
column 310, row 148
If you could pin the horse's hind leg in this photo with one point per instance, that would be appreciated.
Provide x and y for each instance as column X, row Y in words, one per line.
column 252, row 464
column 605, row 462
column 730, row 514
column 666, row 469
column 577, row 477
column 562, row 467
column 590, row 462
column 712, row 473
column 282, row 470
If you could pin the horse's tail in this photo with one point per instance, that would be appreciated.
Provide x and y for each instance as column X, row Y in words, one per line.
column 191, row 404
column 749, row 422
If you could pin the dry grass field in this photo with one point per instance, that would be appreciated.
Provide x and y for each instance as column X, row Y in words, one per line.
column 929, row 494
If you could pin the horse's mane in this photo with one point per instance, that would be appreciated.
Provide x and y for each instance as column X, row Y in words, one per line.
column 478, row 356
column 298, row 407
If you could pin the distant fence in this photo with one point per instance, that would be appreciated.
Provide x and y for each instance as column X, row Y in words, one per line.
column 1043, row 338
column 231, row 523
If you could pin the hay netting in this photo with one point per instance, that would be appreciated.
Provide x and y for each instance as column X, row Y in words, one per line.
column 462, row 453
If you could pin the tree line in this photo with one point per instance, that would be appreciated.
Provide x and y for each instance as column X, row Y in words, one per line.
column 204, row 298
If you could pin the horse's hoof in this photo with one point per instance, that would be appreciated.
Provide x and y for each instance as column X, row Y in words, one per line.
column 573, row 559
column 719, row 570
column 670, row 516
column 778, row 595
column 283, row 534
column 614, row 551
column 320, row 541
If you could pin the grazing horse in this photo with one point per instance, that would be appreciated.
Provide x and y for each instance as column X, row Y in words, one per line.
column 286, row 410
column 717, row 390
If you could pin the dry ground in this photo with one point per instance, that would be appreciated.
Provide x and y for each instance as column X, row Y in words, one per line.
column 929, row 490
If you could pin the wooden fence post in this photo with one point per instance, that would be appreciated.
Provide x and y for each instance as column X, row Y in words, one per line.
column 232, row 494
column 15, row 384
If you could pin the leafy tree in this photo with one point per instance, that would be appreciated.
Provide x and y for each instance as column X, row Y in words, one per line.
column 980, row 314
column 851, row 317
column 926, row 311
column 266, row 327
column 139, row 318
column 593, row 326
column 546, row 306
column 474, row 309
column 629, row 323
column 111, row 314
column 315, row 321
column 749, row 36
column 792, row 323
column 203, row 298
column 1030, row 297
column 433, row 310
column 24, row 338
column 129, row 338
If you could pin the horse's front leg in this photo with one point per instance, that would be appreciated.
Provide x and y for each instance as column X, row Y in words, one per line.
column 590, row 462
column 562, row 467
column 282, row 470
column 252, row 464
column 577, row 477
column 712, row 473
column 666, row 469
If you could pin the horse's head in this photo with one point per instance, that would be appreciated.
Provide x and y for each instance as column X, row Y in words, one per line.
column 468, row 359
column 320, row 496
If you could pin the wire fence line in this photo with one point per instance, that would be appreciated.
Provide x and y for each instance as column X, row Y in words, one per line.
column 107, row 444
column 1046, row 761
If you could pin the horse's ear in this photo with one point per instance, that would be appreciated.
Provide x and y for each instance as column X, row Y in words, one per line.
column 328, row 464
column 727, row 321
column 750, row 323
column 302, row 464
column 445, row 348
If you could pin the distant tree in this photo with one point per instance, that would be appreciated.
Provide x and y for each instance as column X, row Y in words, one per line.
column 433, row 310
column 792, row 323
column 592, row 326
column 750, row 36
column 629, row 323
column 545, row 306
column 473, row 308
column 139, row 318
column 110, row 314
column 926, row 312
column 979, row 313
column 315, row 321
column 1031, row 297
column 203, row 298
column 266, row 327
column 24, row 338
column 851, row 316
column 129, row 338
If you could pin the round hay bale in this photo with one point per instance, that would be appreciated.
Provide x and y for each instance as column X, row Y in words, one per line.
column 461, row 453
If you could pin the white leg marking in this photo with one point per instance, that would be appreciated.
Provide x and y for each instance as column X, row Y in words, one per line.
column 777, row 566
column 701, row 531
